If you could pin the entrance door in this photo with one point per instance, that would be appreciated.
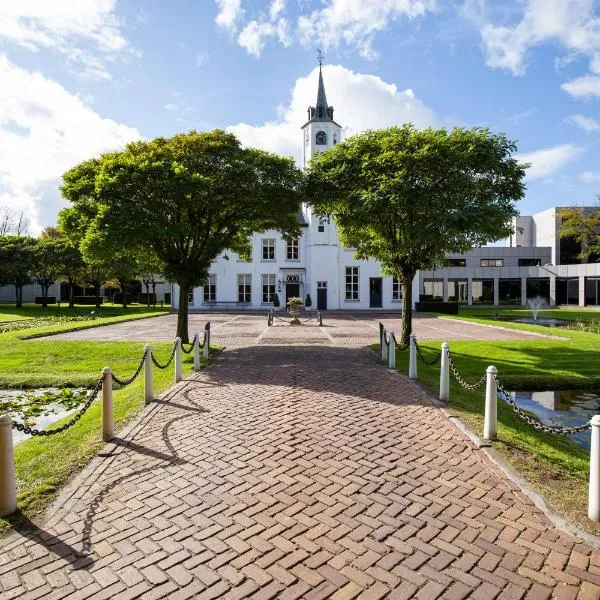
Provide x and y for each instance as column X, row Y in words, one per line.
column 292, row 290
column 321, row 295
column 375, row 292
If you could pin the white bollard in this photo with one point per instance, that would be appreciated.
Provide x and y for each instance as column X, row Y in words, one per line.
column 392, row 350
column 8, row 484
column 108, row 429
column 178, row 366
column 594, row 490
column 445, row 374
column 490, row 422
column 197, row 352
column 148, row 379
column 412, row 367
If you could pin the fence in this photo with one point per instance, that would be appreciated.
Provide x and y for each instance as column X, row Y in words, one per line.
column 8, row 488
column 388, row 347
column 271, row 316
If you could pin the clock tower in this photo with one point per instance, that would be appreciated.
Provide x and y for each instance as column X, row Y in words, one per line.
column 320, row 131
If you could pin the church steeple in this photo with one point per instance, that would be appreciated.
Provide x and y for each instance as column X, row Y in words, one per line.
column 321, row 111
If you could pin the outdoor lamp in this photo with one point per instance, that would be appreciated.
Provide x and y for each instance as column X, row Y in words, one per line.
column 279, row 285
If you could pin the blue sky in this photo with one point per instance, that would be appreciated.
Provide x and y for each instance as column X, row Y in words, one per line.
column 80, row 78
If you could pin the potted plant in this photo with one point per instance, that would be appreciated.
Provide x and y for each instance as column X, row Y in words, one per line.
column 294, row 308
column 308, row 302
column 276, row 303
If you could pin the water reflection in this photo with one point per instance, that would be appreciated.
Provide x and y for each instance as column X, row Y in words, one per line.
column 562, row 408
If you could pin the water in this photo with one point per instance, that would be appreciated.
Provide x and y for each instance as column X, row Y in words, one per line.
column 536, row 304
column 547, row 322
column 562, row 408
column 52, row 412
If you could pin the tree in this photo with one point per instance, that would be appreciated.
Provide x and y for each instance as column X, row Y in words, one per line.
column 187, row 198
column 94, row 274
column 16, row 262
column 407, row 197
column 12, row 222
column 583, row 225
column 46, row 267
column 150, row 269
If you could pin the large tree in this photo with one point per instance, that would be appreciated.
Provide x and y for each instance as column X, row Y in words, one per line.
column 583, row 225
column 187, row 198
column 46, row 264
column 407, row 197
column 16, row 262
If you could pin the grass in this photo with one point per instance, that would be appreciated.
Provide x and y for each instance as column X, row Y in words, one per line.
column 556, row 465
column 44, row 465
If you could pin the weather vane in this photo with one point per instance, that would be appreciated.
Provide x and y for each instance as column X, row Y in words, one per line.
column 320, row 57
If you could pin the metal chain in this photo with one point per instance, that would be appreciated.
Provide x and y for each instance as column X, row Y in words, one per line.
column 45, row 432
column 191, row 346
column 158, row 365
column 423, row 359
column 125, row 382
column 457, row 375
column 538, row 424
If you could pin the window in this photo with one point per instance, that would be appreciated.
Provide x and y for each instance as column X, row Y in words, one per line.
column 396, row 290
column 210, row 289
column 245, row 288
column 292, row 249
column 268, row 249
column 483, row 291
column 509, row 291
column 268, row 288
column 458, row 290
column 433, row 289
column 191, row 299
column 321, row 138
column 492, row 262
column 530, row 262
column 538, row 286
column 352, row 283
column 457, row 262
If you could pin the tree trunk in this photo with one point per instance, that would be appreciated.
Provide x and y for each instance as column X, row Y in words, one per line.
column 71, row 294
column 18, row 295
column 45, row 289
column 123, row 286
column 154, row 292
column 147, row 284
column 407, row 286
column 97, row 292
column 182, row 313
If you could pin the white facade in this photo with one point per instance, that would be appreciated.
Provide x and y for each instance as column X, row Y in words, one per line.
column 323, row 269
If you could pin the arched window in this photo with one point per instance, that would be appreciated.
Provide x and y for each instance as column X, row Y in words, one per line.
column 321, row 138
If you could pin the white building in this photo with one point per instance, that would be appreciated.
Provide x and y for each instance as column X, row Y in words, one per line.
column 536, row 262
column 314, row 265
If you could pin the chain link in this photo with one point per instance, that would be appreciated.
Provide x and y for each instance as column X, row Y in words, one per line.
column 158, row 365
column 538, row 424
column 423, row 359
column 46, row 432
column 125, row 382
column 457, row 375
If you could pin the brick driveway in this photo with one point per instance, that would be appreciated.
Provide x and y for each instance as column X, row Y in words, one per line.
column 295, row 472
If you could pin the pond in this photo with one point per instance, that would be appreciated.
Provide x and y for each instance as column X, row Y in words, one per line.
column 562, row 408
column 39, row 408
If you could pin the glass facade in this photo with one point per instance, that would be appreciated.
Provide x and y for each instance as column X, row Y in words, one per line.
column 509, row 291
column 483, row 291
column 592, row 292
column 538, row 287
column 458, row 290
column 567, row 291
column 433, row 289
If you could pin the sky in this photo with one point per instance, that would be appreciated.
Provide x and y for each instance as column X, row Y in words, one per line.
column 79, row 78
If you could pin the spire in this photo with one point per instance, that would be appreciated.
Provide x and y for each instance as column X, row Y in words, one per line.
column 321, row 111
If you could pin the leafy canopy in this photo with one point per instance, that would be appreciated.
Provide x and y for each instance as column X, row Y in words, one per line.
column 583, row 224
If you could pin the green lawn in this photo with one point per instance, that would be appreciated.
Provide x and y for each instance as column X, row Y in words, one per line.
column 555, row 464
column 45, row 464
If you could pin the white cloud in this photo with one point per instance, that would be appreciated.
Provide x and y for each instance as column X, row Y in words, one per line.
column 361, row 102
column 201, row 58
column 351, row 22
column 588, row 124
column 44, row 131
column 546, row 161
column 589, row 177
column 64, row 25
column 584, row 86
column 230, row 12
column 572, row 24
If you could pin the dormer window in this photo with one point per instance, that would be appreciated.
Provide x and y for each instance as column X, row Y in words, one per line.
column 321, row 139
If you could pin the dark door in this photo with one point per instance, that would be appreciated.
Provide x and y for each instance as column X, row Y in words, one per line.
column 375, row 292
column 321, row 295
column 292, row 290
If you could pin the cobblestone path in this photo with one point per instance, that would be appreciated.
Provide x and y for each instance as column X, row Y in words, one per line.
column 295, row 472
